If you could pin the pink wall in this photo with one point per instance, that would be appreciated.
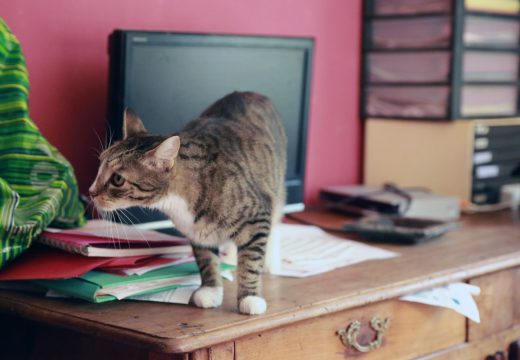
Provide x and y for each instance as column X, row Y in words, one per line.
column 65, row 44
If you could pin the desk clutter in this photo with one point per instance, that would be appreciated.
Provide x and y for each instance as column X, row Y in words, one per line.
column 128, row 262
column 105, row 261
column 143, row 265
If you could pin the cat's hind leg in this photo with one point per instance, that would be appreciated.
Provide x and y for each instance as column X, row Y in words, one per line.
column 251, row 257
column 211, row 292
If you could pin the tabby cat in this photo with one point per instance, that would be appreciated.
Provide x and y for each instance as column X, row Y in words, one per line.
column 220, row 179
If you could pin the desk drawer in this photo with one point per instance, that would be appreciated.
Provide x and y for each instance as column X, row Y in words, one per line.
column 414, row 330
column 495, row 303
column 516, row 299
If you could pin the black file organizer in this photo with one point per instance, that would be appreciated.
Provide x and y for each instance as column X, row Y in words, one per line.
column 496, row 162
column 445, row 91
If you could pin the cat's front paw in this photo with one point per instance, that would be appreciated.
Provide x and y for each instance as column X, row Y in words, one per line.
column 208, row 297
column 252, row 305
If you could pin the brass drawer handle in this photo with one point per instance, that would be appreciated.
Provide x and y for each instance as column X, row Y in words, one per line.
column 349, row 336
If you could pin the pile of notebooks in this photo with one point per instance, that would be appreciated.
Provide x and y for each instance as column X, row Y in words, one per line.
column 104, row 261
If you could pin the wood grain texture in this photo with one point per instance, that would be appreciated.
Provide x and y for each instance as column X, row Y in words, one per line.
column 224, row 351
column 163, row 356
column 202, row 354
column 516, row 299
column 495, row 304
column 485, row 243
column 478, row 349
column 415, row 330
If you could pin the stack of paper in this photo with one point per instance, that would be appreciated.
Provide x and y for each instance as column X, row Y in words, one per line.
column 105, row 261
column 106, row 239
column 97, row 286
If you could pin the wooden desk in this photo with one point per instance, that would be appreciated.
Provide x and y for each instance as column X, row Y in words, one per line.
column 304, row 314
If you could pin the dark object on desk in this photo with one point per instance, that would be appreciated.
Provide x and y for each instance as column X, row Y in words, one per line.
column 399, row 230
column 388, row 199
column 392, row 200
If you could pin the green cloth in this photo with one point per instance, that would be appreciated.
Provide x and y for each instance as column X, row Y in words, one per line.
column 37, row 184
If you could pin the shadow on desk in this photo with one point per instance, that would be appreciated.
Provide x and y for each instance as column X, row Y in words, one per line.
column 22, row 339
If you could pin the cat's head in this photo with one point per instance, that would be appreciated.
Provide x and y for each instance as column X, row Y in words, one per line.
column 135, row 171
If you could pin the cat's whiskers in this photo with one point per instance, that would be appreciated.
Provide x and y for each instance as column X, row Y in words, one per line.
column 101, row 147
column 109, row 138
column 90, row 207
column 101, row 214
column 113, row 213
column 107, row 216
column 125, row 213
column 121, row 216
column 122, row 219
column 133, row 218
column 96, row 151
column 104, row 217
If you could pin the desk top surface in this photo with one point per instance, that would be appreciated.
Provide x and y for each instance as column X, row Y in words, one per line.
column 485, row 243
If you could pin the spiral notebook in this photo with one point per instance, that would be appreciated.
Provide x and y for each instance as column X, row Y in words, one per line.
column 105, row 239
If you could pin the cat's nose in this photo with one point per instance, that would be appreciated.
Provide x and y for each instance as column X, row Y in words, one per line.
column 92, row 192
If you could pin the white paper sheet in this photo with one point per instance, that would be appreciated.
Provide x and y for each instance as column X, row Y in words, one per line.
column 308, row 250
column 144, row 269
column 456, row 296
column 178, row 296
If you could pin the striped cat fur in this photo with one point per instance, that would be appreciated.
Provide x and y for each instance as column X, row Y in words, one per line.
column 220, row 179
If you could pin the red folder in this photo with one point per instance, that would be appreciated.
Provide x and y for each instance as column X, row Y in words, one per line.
column 43, row 262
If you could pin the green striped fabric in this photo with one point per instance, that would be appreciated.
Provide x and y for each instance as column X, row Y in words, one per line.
column 37, row 184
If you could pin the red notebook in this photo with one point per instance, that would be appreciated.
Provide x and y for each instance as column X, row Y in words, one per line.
column 105, row 239
column 43, row 262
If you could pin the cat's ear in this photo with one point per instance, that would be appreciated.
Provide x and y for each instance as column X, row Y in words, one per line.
column 132, row 124
column 164, row 155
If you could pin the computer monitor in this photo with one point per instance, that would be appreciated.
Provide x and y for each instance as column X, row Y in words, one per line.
column 170, row 78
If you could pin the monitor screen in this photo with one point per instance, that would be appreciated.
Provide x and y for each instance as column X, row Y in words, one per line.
column 170, row 78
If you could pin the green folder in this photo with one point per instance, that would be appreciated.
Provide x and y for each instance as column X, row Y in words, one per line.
column 86, row 286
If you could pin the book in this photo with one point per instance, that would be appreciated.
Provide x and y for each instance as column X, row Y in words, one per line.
column 101, row 238
column 45, row 262
column 97, row 286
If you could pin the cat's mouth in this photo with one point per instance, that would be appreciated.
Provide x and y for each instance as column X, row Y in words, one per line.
column 107, row 204
column 103, row 204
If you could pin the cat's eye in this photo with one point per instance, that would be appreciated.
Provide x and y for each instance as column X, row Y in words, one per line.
column 117, row 180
